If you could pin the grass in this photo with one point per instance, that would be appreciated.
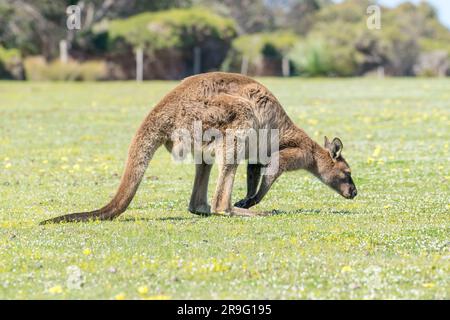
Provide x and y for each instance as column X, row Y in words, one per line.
column 62, row 148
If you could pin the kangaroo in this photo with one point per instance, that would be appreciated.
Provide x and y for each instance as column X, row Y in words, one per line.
column 224, row 101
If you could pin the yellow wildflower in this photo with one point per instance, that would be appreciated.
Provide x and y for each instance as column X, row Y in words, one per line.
column 55, row 290
column 143, row 290
column 346, row 269
column 376, row 152
column 120, row 296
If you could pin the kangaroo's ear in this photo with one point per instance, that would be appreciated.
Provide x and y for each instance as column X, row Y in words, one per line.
column 326, row 143
column 334, row 147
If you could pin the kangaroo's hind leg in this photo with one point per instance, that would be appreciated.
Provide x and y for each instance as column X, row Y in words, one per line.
column 221, row 203
column 199, row 197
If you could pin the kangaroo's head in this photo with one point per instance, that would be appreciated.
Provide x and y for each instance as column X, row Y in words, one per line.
column 334, row 171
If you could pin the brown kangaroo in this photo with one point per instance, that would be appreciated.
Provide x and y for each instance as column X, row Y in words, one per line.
column 224, row 101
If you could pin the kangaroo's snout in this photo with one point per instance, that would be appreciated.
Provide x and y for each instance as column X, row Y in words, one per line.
column 350, row 193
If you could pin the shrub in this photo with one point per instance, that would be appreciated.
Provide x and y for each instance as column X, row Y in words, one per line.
column 37, row 69
column 274, row 44
column 93, row 70
column 10, row 64
column 312, row 58
column 331, row 49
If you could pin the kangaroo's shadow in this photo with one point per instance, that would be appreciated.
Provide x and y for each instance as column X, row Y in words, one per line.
column 274, row 212
column 312, row 212
column 147, row 219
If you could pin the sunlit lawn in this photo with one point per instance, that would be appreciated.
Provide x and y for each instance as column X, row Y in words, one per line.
column 62, row 148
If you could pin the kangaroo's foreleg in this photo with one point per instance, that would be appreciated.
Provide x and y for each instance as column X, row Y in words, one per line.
column 286, row 162
column 288, row 159
column 253, row 179
column 199, row 197
column 266, row 184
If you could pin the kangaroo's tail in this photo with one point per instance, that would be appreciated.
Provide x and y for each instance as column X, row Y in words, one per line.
column 143, row 146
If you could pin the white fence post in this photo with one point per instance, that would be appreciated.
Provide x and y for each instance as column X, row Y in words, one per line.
column 197, row 60
column 63, row 52
column 244, row 65
column 380, row 72
column 139, row 64
column 285, row 70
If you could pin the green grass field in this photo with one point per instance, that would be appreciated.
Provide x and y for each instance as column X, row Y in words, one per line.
column 62, row 149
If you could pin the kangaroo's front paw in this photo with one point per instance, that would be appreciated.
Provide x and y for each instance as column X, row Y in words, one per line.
column 241, row 203
column 245, row 203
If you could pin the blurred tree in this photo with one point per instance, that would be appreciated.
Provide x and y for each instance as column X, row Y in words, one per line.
column 296, row 15
column 10, row 64
column 250, row 15
column 341, row 42
column 312, row 58
column 253, row 16
column 262, row 52
column 37, row 26
column 170, row 38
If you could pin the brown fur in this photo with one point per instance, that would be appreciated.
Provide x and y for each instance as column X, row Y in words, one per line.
column 223, row 101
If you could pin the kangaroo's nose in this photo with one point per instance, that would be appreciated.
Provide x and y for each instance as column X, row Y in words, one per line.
column 354, row 193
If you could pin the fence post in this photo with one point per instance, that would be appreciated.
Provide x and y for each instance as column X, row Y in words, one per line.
column 380, row 72
column 285, row 70
column 197, row 60
column 139, row 64
column 244, row 65
column 63, row 52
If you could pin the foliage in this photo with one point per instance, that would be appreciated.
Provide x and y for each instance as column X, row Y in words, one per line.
column 258, row 47
column 329, row 49
column 63, row 147
column 256, row 16
column 352, row 49
column 10, row 63
column 37, row 26
column 312, row 59
column 275, row 44
column 178, row 28
column 8, row 56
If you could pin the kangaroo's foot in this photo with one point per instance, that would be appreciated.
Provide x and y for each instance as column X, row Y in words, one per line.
column 240, row 212
column 200, row 209
column 246, row 203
